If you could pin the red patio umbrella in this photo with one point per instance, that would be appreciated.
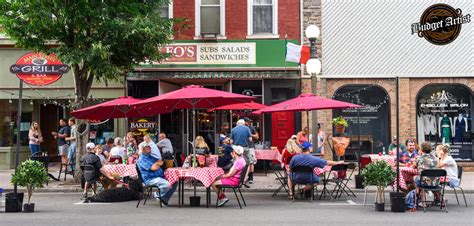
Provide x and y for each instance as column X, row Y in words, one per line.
column 117, row 108
column 241, row 106
column 307, row 102
column 189, row 97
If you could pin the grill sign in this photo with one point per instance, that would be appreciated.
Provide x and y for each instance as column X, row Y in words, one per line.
column 39, row 69
column 440, row 24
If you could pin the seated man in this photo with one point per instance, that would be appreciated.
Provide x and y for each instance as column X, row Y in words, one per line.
column 411, row 153
column 90, row 158
column 164, row 144
column 152, row 174
column 392, row 148
column 306, row 159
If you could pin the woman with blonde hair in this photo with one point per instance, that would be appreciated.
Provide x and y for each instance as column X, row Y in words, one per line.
column 447, row 163
column 35, row 138
column 201, row 145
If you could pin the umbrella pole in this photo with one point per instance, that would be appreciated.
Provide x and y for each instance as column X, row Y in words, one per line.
column 187, row 132
column 307, row 119
column 230, row 126
column 216, row 140
column 358, row 135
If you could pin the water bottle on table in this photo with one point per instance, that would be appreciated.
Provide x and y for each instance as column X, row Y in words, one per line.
column 1, row 199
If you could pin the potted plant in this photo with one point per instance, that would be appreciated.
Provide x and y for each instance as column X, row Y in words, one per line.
column 340, row 123
column 379, row 174
column 30, row 174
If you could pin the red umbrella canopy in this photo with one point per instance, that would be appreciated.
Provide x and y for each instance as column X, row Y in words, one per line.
column 241, row 106
column 117, row 108
column 307, row 102
column 189, row 97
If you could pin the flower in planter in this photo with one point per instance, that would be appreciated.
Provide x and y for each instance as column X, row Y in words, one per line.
column 340, row 121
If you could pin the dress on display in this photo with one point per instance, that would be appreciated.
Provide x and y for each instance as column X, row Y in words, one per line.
column 446, row 130
column 460, row 129
column 421, row 129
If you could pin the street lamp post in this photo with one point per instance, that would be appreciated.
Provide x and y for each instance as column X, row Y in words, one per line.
column 313, row 67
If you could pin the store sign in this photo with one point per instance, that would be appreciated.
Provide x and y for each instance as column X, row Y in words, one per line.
column 39, row 69
column 142, row 125
column 440, row 24
column 211, row 53
column 445, row 116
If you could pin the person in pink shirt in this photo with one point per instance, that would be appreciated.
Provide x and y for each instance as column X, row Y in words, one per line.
column 35, row 138
column 232, row 177
column 303, row 136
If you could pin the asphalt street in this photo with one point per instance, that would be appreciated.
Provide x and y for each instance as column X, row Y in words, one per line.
column 262, row 209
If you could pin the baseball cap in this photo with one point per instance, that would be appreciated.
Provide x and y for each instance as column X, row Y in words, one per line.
column 306, row 144
column 247, row 119
column 238, row 149
column 90, row 145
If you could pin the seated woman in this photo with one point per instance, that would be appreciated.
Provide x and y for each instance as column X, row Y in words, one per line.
column 118, row 150
column 225, row 162
column 291, row 149
column 99, row 152
column 203, row 150
column 232, row 177
column 447, row 162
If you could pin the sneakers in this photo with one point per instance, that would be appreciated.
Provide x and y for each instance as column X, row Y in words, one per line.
column 163, row 202
column 250, row 181
column 222, row 202
column 84, row 196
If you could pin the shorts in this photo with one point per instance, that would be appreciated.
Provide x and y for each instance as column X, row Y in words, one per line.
column 315, row 179
column 249, row 155
column 453, row 182
column 232, row 181
column 62, row 150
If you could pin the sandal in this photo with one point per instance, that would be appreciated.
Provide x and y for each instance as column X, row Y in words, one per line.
column 290, row 196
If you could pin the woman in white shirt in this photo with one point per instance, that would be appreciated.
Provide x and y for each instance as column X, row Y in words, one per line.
column 447, row 162
column 118, row 150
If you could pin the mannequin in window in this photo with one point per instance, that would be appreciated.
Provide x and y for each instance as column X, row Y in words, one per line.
column 459, row 128
column 421, row 128
column 430, row 126
column 445, row 129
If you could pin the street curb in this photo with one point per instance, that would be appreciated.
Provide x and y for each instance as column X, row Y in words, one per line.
column 244, row 190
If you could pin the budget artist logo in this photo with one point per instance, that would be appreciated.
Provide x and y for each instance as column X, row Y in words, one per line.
column 440, row 24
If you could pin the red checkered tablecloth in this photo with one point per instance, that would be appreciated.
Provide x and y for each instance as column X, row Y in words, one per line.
column 317, row 171
column 207, row 175
column 408, row 173
column 211, row 161
column 268, row 154
column 387, row 158
column 121, row 169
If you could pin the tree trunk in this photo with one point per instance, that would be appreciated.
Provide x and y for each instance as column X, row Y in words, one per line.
column 82, row 85
column 380, row 195
column 30, row 193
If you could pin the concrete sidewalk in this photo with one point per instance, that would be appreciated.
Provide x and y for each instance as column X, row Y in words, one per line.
column 262, row 182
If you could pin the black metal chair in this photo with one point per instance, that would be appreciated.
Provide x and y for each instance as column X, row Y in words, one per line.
column 241, row 183
column 460, row 169
column 282, row 178
column 430, row 180
column 302, row 169
column 342, row 180
column 146, row 189
column 89, row 171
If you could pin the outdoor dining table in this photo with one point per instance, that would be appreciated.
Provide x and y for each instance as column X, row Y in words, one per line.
column 122, row 170
column 206, row 175
column 267, row 154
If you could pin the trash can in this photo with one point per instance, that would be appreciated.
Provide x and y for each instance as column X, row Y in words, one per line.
column 195, row 201
column 13, row 202
column 397, row 200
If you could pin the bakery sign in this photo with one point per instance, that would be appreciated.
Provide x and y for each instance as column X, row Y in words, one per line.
column 142, row 125
column 440, row 24
column 211, row 53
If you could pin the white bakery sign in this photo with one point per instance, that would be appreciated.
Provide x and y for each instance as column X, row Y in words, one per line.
column 211, row 53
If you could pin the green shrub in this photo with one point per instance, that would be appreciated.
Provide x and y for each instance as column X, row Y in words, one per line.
column 380, row 174
column 30, row 174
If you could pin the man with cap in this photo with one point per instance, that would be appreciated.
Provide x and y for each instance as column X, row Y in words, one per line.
column 251, row 153
column 306, row 159
column 241, row 135
column 90, row 158
column 153, row 174
column 232, row 177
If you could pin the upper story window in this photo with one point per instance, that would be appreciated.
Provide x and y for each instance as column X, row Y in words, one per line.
column 166, row 11
column 262, row 18
column 210, row 17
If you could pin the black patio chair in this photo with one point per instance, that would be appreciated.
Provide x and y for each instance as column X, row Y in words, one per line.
column 343, row 181
column 147, row 189
column 89, row 171
column 282, row 178
column 302, row 169
column 460, row 169
column 430, row 180
column 241, row 183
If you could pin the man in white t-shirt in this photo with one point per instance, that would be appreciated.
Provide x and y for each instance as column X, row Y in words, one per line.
column 155, row 152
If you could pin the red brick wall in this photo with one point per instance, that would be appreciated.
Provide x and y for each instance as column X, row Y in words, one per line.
column 236, row 19
column 184, row 9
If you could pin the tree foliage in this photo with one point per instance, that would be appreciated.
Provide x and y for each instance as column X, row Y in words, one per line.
column 30, row 174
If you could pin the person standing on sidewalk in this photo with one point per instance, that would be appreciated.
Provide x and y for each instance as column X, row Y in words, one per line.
column 60, row 136
column 35, row 138
column 241, row 136
column 71, row 151
column 254, row 134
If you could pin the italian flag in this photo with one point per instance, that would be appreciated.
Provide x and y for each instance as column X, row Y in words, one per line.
column 296, row 53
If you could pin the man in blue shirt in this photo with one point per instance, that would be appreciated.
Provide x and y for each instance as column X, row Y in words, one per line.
column 410, row 154
column 153, row 174
column 306, row 159
column 241, row 135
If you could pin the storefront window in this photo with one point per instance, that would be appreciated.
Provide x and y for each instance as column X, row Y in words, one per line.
column 101, row 131
column 8, row 117
column 444, row 116
column 371, row 121
column 7, row 123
